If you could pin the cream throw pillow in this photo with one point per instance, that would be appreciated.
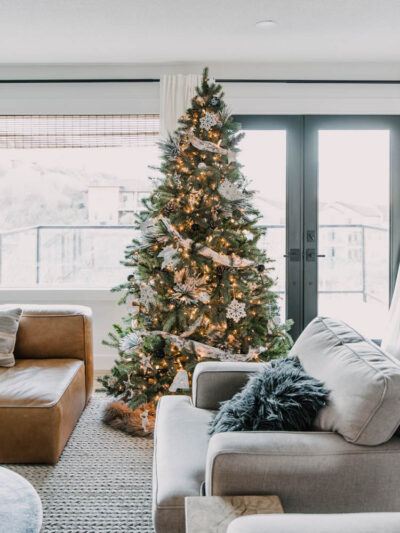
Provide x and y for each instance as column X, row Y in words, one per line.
column 9, row 321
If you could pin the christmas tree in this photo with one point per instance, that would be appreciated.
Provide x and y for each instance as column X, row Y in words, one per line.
column 201, row 288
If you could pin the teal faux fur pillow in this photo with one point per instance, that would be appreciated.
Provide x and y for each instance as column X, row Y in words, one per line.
column 281, row 397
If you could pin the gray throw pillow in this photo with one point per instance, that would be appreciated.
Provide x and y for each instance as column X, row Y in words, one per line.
column 280, row 397
column 9, row 321
column 364, row 403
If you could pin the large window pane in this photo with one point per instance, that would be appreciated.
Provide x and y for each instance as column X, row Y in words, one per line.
column 354, row 179
column 264, row 158
column 62, row 210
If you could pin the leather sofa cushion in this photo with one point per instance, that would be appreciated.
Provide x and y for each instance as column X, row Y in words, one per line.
column 364, row 403
column 36, row 382
column 53, row 331
column 181, row 440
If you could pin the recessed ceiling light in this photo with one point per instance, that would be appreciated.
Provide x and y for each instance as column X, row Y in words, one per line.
column 264, row 24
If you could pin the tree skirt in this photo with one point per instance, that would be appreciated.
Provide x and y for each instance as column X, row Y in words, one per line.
column 102, row 482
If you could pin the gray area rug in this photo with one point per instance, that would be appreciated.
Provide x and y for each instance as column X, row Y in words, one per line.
column 102, row 482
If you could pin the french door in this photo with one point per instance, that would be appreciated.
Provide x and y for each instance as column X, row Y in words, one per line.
column 329, row 191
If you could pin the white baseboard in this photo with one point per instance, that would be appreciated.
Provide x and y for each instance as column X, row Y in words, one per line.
column 104, row 361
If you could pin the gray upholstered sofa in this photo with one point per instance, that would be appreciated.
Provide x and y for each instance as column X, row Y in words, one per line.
column 311, row 472
column 331, row 523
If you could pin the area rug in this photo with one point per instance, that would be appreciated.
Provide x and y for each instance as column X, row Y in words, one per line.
column 102, row 482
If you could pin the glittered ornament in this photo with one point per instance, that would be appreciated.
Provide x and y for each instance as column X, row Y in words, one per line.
column 201, row 165
column 147, row 296
column 170, row 257
column 214, row 100
column 195, row 227
column 181, row 381
column 260, row 268
column 131, row 277
column 230, row 191
column 213, row 225
column 130, row 342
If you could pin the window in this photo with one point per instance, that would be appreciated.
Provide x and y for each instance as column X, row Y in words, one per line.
column 69, row 190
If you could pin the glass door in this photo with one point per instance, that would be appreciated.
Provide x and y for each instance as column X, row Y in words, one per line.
column 328, row 188
column 347, row 212
column 271, row 158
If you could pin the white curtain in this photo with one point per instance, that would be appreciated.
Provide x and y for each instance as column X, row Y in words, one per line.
column 391, row 337
column 176, row 93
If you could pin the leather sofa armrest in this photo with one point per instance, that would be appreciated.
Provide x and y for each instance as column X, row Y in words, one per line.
column 311, row 472
column 215, row 382
column 57, row 331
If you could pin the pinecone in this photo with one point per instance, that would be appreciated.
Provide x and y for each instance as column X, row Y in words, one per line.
column 169, row 208
column 221, row 269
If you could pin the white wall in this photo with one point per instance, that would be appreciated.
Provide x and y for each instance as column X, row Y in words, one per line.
column 103, row 303
column 243, row 98
column 258, row 98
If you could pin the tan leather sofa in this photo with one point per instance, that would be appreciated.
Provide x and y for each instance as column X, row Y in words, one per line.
column 44, row 394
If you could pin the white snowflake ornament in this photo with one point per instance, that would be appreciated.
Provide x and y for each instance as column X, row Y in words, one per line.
column 169, row 256
column 145, row 362
column 201, row 166
column 230, row 191
column 236, row 310
column 112, row 381
column 208, row 121
column 147, row 296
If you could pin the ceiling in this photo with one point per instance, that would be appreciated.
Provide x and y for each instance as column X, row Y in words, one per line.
column 202, row 31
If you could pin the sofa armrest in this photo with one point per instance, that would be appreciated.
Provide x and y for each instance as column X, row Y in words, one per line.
column 317, row 523
column 215, row 382
column 57, row 331
column 312, row 472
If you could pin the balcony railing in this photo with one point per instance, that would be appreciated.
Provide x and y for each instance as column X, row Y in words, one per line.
column 89, row 257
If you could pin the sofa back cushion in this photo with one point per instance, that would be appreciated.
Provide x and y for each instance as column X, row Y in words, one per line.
column 9, row 320
column 364, row 403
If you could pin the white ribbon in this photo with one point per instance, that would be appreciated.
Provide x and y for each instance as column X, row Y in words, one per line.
column 204, row 350
column 222, row 259
column 209, row 146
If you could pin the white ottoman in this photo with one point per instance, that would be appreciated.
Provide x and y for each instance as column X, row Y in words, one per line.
column 20, row 506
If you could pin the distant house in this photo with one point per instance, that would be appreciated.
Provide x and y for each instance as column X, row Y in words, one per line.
column 347, row 213
column 115, row 204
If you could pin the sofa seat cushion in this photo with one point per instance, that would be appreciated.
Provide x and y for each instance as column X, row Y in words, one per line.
column 40, row 402
column 180, row 449
column 364, row 403
column 36, row 382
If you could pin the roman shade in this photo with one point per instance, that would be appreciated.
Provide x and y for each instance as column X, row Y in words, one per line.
column 78, row 131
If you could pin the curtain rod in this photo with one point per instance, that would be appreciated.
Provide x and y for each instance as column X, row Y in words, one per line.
column 228, row 80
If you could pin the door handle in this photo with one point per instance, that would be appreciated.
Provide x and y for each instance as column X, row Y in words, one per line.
column 311, row 254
